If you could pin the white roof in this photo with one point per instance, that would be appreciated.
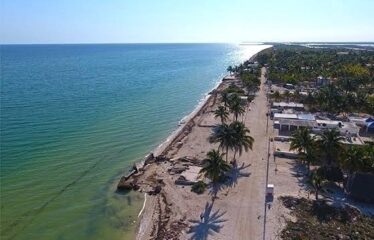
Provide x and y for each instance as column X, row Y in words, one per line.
column 359, row 120
column 289, row 104
column 306, row 116
column 285, row 115
column 327, row 122
column 297, row 122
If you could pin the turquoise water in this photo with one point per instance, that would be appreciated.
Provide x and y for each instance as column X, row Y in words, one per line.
column 74, row 117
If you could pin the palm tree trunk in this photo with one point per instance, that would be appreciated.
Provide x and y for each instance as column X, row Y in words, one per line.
column 227, row 153
column 214, row 196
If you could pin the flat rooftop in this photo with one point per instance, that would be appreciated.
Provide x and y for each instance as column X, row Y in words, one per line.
column 285, row 116
column 288, row 105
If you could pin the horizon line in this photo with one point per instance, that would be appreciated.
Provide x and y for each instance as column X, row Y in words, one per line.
column 243, row 42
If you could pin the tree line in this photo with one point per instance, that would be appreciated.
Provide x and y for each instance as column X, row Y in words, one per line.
column 330, row 156
column 350, row 76
column 231, row 134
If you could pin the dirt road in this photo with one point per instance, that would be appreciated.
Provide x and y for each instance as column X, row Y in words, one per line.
column 244, row 203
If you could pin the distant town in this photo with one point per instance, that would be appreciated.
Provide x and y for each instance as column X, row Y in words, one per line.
column 283, row 145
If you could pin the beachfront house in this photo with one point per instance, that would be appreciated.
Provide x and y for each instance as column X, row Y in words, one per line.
column 288, row 105
column 347, row 129
column 293, row 121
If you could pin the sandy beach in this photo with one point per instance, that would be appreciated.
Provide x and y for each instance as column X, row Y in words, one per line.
column 240, row 210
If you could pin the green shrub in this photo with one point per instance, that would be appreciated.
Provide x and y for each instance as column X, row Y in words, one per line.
column 199, row 187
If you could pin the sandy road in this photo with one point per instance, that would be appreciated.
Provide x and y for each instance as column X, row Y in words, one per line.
column 238, row 212
column 244, row 203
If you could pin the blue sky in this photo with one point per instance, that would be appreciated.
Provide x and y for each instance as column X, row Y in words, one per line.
column 139, row 21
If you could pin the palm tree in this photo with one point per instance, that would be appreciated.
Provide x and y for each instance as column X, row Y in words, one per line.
column 276, row 96
column 225, row 99
column 348, row 84
column 310, row 155
column 352, row 159
column 330, row 99
column 221, row 113
column 304, row 143
column 330, row 145
column 230, row 69
column 287, row 95
column 224, row 134
column 236, row 106
column 242, row 139
column 316, row 181
column 309, row 99
column 296, row 96
column 358, row 158
column 215, row 167
column 301, row 139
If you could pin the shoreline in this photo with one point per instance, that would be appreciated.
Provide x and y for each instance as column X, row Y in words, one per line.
column 188, row 121
column 159, row 207
column 143, row 226
column 163, row 146
column 160, row 149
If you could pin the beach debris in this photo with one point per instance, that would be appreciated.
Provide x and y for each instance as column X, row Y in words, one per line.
column 130, row 174
column 190, row 161
column 160, row 181
column 139, row 166
column 156, row 190
column 161, row 158
column 183, row 181
column 126, row 184
column 289, row 202
column 177, row 169
column 149, row 158
column 179, row 144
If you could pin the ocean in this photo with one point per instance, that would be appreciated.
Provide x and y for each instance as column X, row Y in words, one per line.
column 76, row 117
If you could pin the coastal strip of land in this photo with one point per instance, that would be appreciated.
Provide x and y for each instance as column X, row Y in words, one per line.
column 172, row 211
column 241, row 203
column 190, row 141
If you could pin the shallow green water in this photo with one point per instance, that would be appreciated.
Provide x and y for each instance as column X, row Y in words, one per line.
column 76, row 117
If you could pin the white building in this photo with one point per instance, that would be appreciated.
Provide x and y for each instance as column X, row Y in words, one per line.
column 288, row 105
column 295, row 121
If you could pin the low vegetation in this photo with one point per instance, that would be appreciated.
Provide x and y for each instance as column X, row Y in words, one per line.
column 199, row 187
column 319, row 220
